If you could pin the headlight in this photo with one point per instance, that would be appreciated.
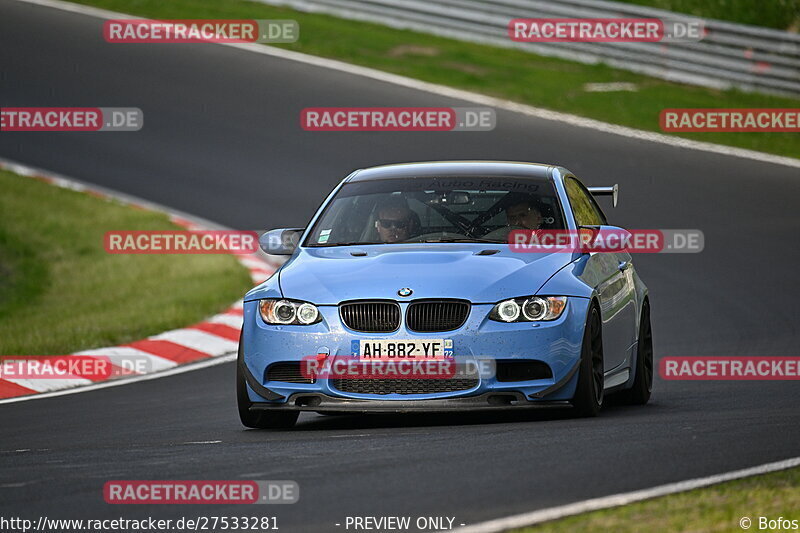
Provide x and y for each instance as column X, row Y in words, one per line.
column 287, row 312
column 529, row 309
column 507, row 311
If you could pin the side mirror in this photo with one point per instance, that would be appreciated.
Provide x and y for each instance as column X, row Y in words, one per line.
column 603, row 239
column 282, row 241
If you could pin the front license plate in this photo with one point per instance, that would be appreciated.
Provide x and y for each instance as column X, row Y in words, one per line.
column 403, row 350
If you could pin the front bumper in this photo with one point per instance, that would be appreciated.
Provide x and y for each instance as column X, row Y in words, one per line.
column 556, row 343
column 321, row 403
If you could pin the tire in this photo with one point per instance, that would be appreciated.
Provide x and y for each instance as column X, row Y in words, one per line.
column 258, row 419
column 588, row 399
column 639, row 393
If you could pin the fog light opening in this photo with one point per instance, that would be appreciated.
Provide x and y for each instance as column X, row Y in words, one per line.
column 307, row 401
column 501, row 399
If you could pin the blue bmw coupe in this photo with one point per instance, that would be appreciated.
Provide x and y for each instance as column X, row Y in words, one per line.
column 411, row 263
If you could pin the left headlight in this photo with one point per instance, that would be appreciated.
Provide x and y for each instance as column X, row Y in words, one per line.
column 529, row 309
column 288, row 312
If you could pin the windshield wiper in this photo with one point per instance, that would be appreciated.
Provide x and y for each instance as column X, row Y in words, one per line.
column 474, row 239
column 351, row 243
column 366, row 243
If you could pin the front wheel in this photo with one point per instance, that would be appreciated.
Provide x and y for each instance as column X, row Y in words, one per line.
column 256, row 419
column 588, row 397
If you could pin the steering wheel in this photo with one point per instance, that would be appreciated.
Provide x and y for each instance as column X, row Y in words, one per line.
column 501, row 233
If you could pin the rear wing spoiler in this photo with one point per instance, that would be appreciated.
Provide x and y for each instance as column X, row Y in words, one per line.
column 612, row 191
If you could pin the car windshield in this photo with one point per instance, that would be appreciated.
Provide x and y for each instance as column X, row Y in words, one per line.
column 447, row 209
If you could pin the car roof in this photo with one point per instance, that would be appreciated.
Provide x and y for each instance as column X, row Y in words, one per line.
column 431, row 169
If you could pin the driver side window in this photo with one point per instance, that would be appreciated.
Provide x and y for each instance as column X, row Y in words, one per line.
column 586, row 211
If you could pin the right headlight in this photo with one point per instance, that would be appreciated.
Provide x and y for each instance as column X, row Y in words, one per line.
column 288, row 312
column 529, row 309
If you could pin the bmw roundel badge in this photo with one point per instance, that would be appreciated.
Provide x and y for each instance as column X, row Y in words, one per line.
column 405, row 291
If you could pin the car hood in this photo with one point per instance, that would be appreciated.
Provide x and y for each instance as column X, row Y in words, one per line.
column 328, row 276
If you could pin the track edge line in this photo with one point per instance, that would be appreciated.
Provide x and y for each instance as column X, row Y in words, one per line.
column 617, row 500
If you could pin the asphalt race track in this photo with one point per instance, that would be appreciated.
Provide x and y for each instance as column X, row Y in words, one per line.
column 222, row 140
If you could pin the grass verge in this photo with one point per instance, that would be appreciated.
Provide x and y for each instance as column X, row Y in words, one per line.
column 61, row 292
column 718, row 508
column 515, row 75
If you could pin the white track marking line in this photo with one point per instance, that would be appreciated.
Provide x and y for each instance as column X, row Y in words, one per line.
column 253, row 263
column 124, row 355
column 460, row 94
column 616, row 500
column 234, row 321
column 201, row 341
column 189, row 367
column 47, row 385
column 41, row 384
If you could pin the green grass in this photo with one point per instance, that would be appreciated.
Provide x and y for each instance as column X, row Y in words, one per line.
column 714, row 509
column 60, row 291
column 778, row 14
column 544, row 82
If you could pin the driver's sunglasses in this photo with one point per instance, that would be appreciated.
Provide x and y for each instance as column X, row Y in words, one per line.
column 387, row 223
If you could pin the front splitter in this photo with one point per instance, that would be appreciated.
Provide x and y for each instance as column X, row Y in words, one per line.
column 489, row 401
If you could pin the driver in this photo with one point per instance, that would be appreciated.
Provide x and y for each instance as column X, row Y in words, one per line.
column 525, row 213
column 394, row 223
